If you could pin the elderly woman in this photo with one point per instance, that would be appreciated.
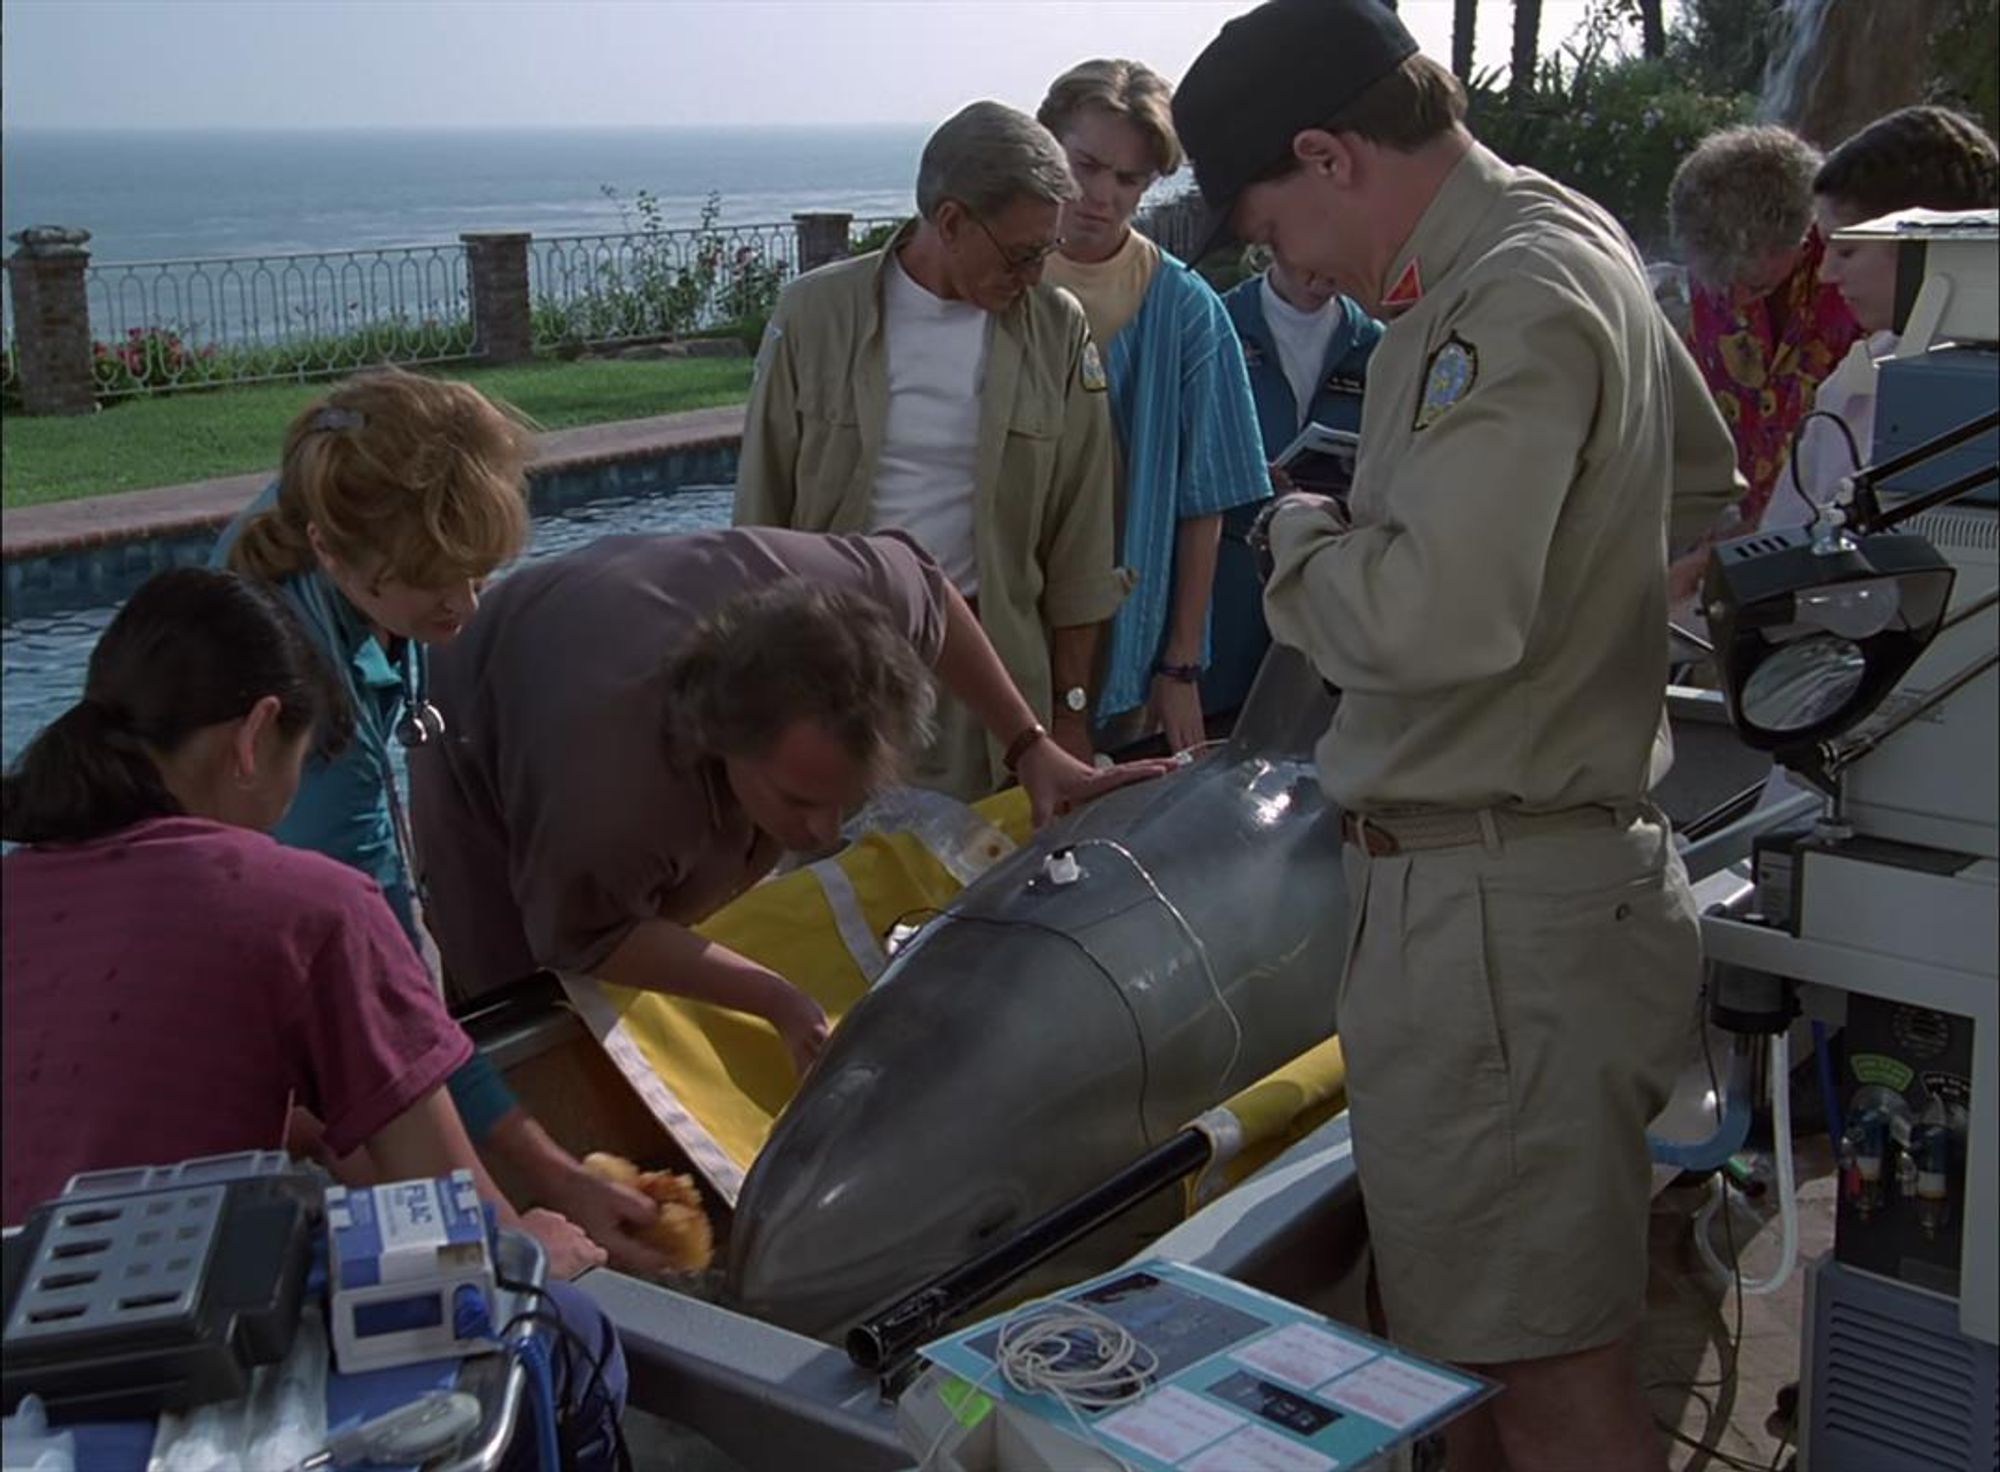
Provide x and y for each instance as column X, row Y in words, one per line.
column 1764, row 329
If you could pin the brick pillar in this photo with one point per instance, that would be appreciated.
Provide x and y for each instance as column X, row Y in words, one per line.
column 52, row 320
column 496, row 277
column 822, row 238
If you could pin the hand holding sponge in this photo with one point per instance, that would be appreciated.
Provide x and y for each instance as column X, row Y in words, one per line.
column 681, row 1231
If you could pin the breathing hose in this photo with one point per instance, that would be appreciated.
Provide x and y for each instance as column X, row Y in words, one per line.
column 1788, row 1205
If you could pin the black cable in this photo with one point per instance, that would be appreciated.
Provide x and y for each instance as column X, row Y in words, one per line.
column 566, row 1426
column 594, row 1387
column 538, row 1316
column 596, row 1381
column 1798, row 438
column 1784, row 1443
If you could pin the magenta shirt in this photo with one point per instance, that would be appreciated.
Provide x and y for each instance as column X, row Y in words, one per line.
column 167, row 989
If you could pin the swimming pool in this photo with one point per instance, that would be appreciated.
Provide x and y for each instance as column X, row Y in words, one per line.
column 42, row 654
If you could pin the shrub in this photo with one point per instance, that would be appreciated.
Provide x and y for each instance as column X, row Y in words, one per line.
column 874, row 238
column 664, row 283
column 160, row 360
column 1614, row 128
column 1965, row 56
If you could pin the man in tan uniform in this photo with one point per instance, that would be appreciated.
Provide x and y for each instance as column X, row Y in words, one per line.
column 936, row 388
column 1521, row 984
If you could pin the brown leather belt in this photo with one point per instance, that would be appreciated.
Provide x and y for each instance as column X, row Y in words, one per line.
column 1383, row 834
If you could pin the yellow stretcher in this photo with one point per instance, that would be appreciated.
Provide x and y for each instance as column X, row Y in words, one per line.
column 716, row 1079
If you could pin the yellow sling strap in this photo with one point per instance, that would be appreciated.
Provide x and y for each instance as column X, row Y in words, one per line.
column 716, row 1079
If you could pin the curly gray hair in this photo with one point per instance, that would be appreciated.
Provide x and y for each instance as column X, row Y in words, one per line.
column 1742, row 196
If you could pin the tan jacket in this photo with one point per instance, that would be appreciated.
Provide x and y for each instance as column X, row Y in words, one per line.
column 1533, row 441
column 1043, row 521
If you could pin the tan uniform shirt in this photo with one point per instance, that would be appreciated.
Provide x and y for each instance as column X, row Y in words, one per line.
column 1533, row 441
column 1043, row 521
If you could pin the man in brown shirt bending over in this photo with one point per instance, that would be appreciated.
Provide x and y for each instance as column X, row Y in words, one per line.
column 637, row 730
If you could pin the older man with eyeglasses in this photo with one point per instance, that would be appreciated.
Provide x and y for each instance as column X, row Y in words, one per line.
column 937, row 388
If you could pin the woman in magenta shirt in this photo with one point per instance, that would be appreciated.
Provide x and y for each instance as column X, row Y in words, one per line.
column 176, row 983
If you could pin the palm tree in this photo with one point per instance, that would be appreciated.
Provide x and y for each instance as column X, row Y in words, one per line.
column 1527, row 45
column 1464, row 22
column 1653, row 29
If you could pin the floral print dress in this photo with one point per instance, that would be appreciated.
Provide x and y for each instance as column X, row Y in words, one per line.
column 1763, row 360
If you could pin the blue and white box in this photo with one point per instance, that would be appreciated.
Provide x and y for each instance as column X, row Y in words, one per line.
column 409, row 1273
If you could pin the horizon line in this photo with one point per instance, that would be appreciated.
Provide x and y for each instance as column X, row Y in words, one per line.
column 421, row 127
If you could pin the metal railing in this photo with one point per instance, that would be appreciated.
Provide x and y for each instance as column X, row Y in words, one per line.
column 655, row 284
column 1174, row 224
column 250, row 319
column 649, row 285
column 162, row 325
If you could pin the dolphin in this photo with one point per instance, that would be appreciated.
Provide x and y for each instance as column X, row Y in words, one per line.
column 1082, row 1000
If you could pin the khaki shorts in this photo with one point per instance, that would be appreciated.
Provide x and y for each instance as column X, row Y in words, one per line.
column 1513, row 1016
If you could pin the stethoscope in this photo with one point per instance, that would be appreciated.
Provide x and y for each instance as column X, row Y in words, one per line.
column 420, row 724
column 421, row 721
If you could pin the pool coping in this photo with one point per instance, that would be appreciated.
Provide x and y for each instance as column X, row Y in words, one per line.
column 95, row 521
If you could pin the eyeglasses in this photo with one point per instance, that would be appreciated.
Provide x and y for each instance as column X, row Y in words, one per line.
column 1021, row 263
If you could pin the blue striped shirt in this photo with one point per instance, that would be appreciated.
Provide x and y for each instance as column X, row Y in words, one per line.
column 1189, row 445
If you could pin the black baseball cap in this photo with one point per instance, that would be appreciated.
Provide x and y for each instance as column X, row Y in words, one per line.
column 1270, row 74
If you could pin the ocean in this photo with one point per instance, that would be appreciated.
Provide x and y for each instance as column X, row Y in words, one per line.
column 159, row 195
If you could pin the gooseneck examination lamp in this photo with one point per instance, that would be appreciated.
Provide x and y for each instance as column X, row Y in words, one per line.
column 1814, row 626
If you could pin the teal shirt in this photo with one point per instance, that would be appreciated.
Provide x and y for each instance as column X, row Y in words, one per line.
column 1187, row 427
column 344, row 804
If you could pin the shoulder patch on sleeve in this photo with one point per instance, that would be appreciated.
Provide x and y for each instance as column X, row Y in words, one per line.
column 767, row 349
column 1453, row 369
column 1091, row 369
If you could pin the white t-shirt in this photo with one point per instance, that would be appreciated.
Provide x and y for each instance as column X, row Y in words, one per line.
column 1302, row 339
column 925, row 481
column 1849, row 392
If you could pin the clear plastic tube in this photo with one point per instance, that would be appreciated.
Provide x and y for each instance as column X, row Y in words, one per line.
column 1788, row 1204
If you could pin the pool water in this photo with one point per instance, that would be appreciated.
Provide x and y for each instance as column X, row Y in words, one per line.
column 42, row 657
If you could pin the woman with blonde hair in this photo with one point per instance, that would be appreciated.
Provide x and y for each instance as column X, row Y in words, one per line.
column 397, row 497
column 1187, row 431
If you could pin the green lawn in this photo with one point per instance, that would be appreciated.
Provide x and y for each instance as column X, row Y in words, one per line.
column 160, row 442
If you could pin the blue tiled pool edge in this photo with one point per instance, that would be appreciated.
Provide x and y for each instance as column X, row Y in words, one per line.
column 109, row 570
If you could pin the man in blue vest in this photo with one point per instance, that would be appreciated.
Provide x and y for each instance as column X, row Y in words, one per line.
column 1307, row 348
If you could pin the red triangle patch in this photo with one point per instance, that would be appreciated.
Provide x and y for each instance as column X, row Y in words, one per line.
column 1409, row 288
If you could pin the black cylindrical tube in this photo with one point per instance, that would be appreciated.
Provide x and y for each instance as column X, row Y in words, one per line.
column 883, row 1338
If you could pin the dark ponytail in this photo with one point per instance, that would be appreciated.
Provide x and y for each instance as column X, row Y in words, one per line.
column 191, row 649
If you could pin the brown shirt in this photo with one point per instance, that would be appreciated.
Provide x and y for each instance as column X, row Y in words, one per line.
column 553, row 817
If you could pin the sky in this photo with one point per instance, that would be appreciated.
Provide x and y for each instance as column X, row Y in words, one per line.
column 596, row 63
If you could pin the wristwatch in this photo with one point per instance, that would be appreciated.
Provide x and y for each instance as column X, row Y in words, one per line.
column 1076, row 699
